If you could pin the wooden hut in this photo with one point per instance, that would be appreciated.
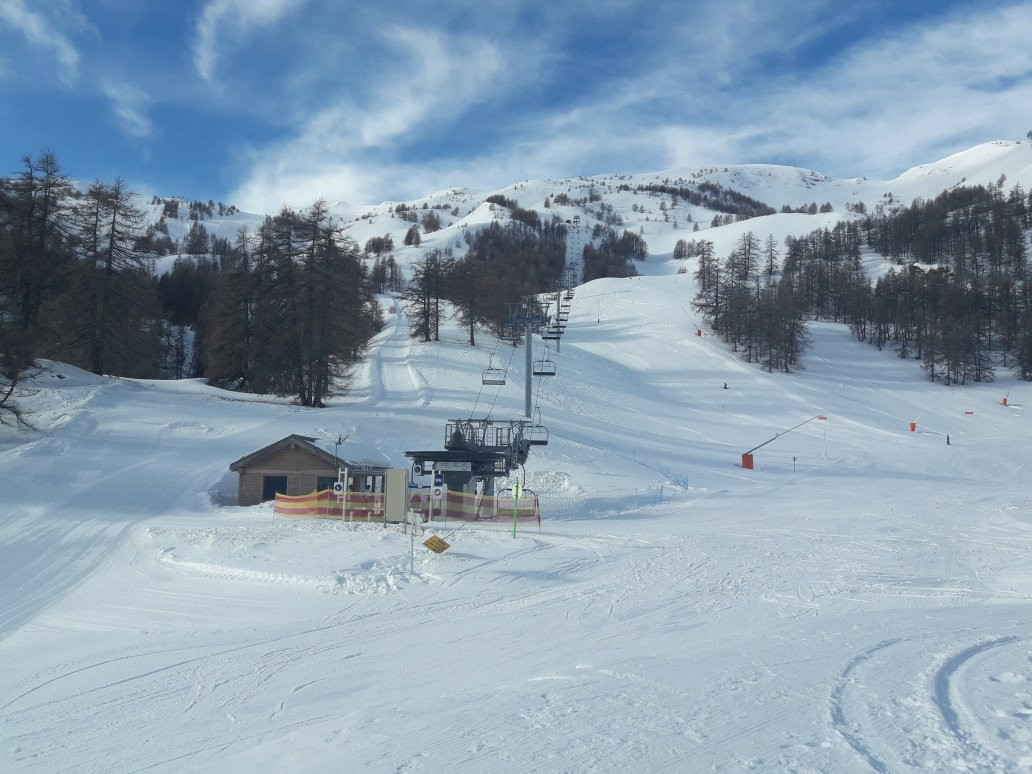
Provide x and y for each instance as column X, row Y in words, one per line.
column 295, row 465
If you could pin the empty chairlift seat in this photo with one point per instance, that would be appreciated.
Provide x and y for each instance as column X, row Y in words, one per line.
column 544, row 367
column 537, row 435
column 493, row 376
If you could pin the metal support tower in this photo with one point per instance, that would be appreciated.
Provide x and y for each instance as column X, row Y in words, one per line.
column 527, row 410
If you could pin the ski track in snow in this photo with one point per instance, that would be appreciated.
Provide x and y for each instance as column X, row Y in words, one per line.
column 841, row 723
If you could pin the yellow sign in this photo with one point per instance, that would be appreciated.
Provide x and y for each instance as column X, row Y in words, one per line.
column 436, row 545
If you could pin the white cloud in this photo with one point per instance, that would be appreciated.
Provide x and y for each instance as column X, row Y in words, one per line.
column 441, row 77
column 39, row 32
column 338, row 152
column 922, row 90
column 872, row 110
column 129, row 105
column 240, row 16
column 724, row 87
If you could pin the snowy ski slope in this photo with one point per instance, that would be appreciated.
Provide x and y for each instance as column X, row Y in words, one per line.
column 861, row 600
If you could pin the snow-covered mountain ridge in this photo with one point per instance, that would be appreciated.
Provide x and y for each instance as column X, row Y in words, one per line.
column 777, row 186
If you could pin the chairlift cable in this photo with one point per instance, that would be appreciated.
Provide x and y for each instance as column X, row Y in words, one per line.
column 499, row 390
column 490, row 363
column 477, row 401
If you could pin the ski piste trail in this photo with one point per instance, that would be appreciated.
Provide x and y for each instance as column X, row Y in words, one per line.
column 859, row 601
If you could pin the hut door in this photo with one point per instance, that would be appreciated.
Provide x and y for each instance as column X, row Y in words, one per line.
column 271, row 485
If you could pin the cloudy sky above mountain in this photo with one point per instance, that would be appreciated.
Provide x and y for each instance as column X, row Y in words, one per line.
column 265, row 102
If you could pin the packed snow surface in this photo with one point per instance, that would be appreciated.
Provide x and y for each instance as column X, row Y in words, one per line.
column 861, row 600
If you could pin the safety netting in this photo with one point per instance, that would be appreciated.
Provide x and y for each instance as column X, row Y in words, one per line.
column 450, row 506
column 474, row 508
column 326, row 504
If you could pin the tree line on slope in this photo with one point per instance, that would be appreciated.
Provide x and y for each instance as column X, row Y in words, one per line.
column 958, row 296
column 503, row 264
column 285, row 310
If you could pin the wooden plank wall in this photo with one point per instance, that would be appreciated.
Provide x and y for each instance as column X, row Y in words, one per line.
column 301, row 468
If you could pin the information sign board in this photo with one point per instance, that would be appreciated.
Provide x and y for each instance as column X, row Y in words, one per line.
column 436, row 544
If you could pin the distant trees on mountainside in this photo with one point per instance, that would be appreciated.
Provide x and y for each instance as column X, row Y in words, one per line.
column 502, row 263
column 751, row 310
column 712, row 197
column 961, row 300
column 959, row 297
column 287, row 310
column 615, row 254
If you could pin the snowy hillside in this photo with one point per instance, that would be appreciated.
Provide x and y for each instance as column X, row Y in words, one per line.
column 861, row 600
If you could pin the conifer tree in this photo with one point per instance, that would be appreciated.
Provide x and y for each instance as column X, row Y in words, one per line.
column 424, row 297
column 106, row 320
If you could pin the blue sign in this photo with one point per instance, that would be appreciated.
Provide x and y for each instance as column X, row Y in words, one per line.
column 438, row 478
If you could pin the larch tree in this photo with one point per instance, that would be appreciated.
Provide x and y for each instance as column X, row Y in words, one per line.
column 107, row 318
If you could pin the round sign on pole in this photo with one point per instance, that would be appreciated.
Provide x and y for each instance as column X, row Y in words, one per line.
column 437, row 492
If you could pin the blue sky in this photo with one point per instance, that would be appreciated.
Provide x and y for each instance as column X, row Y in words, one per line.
column 264, row 102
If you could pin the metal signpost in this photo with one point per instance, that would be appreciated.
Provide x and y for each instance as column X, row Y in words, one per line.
column 516, row 505
column 412, row 518
column 340, row 488
column 437, row 497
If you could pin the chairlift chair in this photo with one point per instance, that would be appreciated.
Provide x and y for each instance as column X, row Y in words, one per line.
column 493, row 375
column 544, row 367
column 537, row 433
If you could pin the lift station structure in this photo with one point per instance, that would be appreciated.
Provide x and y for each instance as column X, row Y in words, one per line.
column 478, row 451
